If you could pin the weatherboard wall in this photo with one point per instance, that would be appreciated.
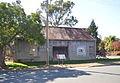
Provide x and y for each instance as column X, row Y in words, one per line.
column 23, row 48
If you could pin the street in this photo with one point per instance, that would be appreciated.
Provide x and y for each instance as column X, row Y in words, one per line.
column 97, row 74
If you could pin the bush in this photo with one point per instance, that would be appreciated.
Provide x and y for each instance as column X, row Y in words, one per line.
column 116, row 45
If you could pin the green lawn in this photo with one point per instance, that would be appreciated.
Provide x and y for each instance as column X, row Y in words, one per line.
column 16, row 66
column 72, row 62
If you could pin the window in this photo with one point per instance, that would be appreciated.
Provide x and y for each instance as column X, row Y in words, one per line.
column 91, row 50
column 33, row 50
column 81, row 51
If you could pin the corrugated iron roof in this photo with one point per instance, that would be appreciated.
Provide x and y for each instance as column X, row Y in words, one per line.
column 68, row 33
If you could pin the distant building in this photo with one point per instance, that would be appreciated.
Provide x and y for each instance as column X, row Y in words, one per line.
column 74, row 43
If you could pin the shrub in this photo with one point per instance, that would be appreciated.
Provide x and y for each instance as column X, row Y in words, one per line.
column 116, row 45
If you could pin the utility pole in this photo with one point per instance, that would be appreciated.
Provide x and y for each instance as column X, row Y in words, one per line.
column 47, row 34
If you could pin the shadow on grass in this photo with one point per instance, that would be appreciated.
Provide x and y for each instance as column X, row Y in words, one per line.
column 39, row 76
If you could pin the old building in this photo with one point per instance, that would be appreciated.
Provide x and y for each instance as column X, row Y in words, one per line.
column 74, row 43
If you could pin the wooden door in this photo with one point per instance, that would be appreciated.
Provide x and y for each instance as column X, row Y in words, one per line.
column 60, row 50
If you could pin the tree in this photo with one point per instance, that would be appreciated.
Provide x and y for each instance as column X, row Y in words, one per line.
column 108, row 42
column 116, row 45
column 102, row 52
column 59, row 13
column 101, row 45
column 14, row 22
column 92, row 30
column 33, row 33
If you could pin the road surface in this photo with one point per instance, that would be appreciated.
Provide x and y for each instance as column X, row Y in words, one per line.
column 98, row 74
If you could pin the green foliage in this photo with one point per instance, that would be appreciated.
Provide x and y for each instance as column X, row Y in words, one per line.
column 34, row 63
column 34, row 27
column 92, row 30
column 108, row 42
column 11, row 21
column 59, row 13
column 14, row 22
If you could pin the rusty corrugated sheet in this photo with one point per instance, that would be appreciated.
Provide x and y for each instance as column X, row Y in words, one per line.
column 65, row 33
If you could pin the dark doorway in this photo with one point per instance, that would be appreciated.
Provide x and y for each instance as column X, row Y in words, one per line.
column 60, row 50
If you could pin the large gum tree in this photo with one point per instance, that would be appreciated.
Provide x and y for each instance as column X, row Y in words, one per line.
column 59, row 12
column 14, row 22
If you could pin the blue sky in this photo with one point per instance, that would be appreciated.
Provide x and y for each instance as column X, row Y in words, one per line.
column 106, row 14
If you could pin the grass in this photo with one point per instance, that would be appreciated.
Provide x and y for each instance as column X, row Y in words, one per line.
column 92, row 61
column 16, row 66
column 72, row 62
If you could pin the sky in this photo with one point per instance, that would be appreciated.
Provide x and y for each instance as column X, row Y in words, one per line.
column 106, row 14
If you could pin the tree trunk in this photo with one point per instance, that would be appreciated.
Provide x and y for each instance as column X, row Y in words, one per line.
column 12, row 50
column 2, row 59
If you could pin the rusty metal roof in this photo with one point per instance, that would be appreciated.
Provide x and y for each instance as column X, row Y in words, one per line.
column 68, row 33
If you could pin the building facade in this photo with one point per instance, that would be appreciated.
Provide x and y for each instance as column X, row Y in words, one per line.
column 73, row 43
